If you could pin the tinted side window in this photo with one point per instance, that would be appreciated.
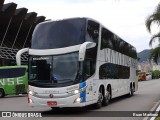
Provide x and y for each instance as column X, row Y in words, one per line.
column 92, row 31
column 106, row 39
column 90, row 62
column 89, row 67
column 112, row 41
column 92, row 35
column 114, row 71
column 12, row 72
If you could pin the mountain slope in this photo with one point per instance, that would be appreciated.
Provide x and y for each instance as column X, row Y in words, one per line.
column 144, row 55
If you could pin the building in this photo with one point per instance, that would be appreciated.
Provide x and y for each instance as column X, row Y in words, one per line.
column 16, row 28
column 148, row 66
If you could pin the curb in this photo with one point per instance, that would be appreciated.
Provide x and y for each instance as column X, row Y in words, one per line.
column 155, row 108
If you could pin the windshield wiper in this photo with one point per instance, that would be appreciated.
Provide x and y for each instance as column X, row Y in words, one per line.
column 33, row 80
column 40, row 81
column 64, row 81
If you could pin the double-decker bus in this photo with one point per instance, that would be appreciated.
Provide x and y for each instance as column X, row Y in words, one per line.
column 13, row 80
column 78, row 62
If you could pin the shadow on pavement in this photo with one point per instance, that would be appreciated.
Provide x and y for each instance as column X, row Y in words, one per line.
column 13, row 96
column 88, row 111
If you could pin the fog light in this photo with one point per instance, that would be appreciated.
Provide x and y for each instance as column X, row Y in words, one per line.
column 78, row 100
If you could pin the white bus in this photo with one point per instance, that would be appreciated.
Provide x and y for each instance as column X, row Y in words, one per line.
column 78, row 62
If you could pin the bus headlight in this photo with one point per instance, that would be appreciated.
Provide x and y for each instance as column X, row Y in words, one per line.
column 73, row 92
column 77, row 91
column 32, row 93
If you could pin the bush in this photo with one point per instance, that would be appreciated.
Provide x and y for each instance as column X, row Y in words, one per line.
column 156, row 74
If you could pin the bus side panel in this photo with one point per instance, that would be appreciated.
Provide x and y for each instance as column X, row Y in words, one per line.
column 133, row 77
column 25, row 81
column 9, row 86
column 11, row 82
column 3, row 86
column 21, row 85
column 15, row 85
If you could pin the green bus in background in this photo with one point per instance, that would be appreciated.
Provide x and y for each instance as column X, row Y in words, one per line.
column 13, row 80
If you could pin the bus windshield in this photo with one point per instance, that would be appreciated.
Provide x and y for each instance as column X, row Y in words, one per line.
column 58, row 34
column 53, row 70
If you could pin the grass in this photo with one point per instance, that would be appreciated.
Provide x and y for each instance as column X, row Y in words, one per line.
column 158, row 118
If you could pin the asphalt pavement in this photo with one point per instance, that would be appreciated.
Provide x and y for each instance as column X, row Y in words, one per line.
column 147, row 98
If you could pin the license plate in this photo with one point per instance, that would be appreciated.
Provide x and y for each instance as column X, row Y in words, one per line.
column 52, row 103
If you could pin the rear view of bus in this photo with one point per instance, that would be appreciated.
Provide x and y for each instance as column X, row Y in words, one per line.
column 13, row 80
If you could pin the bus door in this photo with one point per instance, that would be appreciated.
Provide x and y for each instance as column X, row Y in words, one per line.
column 89, row 70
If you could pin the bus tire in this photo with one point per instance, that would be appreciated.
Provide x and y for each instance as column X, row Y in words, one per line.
column 98, row 105
column 107, row 97
column 131, row 91
column 2, row 94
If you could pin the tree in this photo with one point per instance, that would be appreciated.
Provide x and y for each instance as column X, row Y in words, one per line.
column 154, row 18
column 156, row 74
column 155, row 54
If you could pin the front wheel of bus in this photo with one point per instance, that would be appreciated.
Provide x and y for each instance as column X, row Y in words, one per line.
column 2, row 94
column 100, row 99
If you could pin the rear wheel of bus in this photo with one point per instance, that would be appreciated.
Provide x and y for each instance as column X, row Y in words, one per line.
column 131, row 92
column 2, row 94
column 107, row 97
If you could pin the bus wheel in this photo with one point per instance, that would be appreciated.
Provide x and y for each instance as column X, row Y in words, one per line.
column 131, row 91
column 100, row 99
column 106, row 98
column 2, row 94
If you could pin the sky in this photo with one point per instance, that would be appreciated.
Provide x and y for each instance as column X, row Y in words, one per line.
column 126, row 18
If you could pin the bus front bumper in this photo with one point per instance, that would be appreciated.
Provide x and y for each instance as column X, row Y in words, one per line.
column 72, row 101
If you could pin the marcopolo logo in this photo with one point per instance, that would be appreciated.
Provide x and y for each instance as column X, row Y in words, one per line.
column 11, row 81
column 40, row 58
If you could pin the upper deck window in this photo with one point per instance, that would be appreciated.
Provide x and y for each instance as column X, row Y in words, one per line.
column 59, row 34
column 112, row 41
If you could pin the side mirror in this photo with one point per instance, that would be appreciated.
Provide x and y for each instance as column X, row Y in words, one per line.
column 83, row 47
column 19, row 53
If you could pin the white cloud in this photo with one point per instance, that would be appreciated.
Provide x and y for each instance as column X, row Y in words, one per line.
column 126, row 18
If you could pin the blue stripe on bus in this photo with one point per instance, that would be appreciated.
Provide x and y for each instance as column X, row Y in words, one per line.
column 83, row 93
